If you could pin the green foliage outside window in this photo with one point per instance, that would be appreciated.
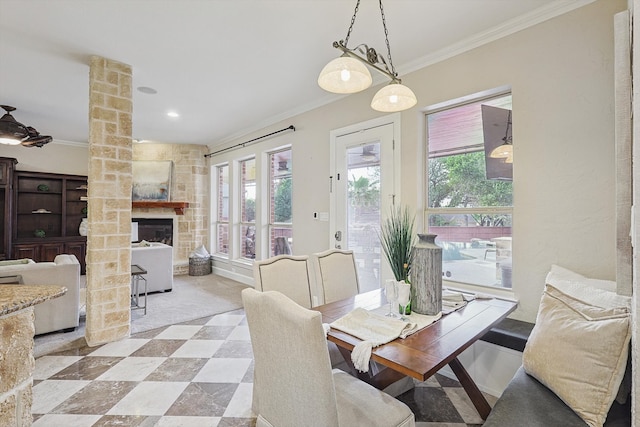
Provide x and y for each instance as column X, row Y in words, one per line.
column 364, row 192
column 460, row 181
column 282, row 201
column 250, row 210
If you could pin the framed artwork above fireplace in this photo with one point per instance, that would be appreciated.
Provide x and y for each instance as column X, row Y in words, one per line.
column 151, row 180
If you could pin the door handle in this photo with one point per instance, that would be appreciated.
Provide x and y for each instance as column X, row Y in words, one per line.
column 338, row 236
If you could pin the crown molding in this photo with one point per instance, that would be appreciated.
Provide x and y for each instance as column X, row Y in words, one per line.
column 70, row 143
column 535, row 17
column 507, row 28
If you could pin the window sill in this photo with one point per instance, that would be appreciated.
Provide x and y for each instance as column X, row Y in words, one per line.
column 242, row 263
column 499, row 293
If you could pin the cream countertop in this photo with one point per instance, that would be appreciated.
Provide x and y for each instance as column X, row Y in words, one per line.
column 17, row 297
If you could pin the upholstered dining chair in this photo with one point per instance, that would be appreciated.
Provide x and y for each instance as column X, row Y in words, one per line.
column 288, row 274
column 294, row 384
column 336, row 272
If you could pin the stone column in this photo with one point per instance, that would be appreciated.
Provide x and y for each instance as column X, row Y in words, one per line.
column 190, row 183
column 16, row 368
column 109, row 216
column 17, row 326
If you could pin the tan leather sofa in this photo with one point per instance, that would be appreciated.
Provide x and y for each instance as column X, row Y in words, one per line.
column 59, row 313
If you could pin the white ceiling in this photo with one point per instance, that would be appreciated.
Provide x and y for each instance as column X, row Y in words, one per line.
column 227, row 67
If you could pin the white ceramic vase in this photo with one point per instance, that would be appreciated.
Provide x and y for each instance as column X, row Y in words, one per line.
column 83, row 229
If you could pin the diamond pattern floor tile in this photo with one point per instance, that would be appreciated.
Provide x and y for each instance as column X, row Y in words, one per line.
column 198, row 373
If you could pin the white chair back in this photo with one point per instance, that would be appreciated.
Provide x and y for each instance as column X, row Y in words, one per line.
column 292, row 373
column 287, row 274
column 336, row 273
column 293, row 384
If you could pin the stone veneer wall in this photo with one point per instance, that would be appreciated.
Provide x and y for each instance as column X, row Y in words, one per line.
column 109, row 216
column 16, row 369
column 190, row 183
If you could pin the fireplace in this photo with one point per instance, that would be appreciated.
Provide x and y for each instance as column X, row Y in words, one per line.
column 155, row 230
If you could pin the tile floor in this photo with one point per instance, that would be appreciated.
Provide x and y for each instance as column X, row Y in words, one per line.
column 195, row 373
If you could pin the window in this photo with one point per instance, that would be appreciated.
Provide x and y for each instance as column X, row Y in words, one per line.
column 470, row 193
column 222, row 209
column 251, row 206
column 248, row 208
column 280, row 218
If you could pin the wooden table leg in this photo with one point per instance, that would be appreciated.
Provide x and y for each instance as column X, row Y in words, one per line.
column 477, row 398
column 346, row 354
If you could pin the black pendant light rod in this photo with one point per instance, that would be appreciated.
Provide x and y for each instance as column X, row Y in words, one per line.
column 244, row 144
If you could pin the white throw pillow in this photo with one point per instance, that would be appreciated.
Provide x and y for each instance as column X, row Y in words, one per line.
column 572, row 283
column 561, row 274
column 579, row 348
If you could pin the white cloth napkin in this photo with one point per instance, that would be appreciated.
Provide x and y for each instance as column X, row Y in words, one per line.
column 375, row 329
column 452, row 301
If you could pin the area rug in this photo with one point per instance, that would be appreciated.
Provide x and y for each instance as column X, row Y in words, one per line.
column 192, row 297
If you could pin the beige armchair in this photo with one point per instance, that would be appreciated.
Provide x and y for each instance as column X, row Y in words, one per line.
column 60, row 313
column 157, row 259
column 294, row 384
column 337, row 274
column 287, row 274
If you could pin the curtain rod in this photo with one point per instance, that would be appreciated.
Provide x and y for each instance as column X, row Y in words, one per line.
column 243, row 144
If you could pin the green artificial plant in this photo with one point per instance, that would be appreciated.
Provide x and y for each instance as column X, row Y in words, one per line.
column 397, row 239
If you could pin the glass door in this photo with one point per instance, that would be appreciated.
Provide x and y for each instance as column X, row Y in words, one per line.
column 364, row 193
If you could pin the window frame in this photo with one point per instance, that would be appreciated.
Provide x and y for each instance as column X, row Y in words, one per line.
column 244, row 225
column 482, row 210
column 219, row 196
column 271, row 223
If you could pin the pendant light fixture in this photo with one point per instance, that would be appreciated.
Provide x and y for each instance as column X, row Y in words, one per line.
column 13, row 132
column 349, row 74
column 505, row 150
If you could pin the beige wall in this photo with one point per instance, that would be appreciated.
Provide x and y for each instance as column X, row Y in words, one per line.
column 190, row 183
column 561, row 74
column 55, row 157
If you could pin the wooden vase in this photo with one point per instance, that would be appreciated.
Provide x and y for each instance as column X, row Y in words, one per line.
column 426, row 276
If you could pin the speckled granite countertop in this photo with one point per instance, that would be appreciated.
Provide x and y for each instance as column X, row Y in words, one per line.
column 17, row 297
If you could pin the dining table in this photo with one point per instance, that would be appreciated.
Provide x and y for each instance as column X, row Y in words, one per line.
column 423, row 353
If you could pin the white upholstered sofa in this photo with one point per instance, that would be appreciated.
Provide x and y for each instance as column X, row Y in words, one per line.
column 57, row 314
column 157, row 259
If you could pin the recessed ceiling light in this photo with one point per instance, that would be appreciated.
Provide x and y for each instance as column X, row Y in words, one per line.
column 173, row 114
column 147, row 90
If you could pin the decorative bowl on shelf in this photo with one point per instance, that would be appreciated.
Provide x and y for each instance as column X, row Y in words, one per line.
column 43, row 187
column 41, row 211
column 39, row 233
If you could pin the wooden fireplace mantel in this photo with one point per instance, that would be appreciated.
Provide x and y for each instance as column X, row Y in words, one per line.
column 177, row 206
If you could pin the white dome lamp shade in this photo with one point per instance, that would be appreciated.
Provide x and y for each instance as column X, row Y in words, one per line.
column 509, row 159
column 504, row 151
column 393, row 97
column 9, row 141
column 345, row 75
